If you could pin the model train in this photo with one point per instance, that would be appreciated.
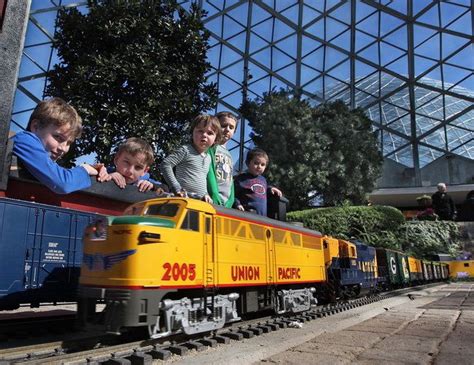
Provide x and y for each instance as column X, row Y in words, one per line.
column 181, row 265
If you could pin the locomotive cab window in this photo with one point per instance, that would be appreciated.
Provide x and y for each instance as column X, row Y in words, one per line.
column 191, row 221
column 466, row 264
column 135, row 209
column 164, row 210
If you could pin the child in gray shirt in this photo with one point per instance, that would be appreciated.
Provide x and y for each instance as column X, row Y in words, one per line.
column 191, row 161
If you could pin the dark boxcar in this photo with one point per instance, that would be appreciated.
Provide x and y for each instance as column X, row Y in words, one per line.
column 427, row 270
column 40, row 252
column 444, row 271
column 436, row 271
column 393, row 265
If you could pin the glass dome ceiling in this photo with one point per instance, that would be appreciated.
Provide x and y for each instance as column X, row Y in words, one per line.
column 409, row 64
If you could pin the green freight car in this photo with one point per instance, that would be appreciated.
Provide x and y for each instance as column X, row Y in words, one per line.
column 393, row 265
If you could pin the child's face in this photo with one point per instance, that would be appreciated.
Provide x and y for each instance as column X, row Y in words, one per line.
column 56, row 139
column 228, row 129
column 257, row 165
column 203, row 138
column 131, row 167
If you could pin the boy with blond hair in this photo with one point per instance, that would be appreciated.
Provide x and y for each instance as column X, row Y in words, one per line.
column 53, row 126
column 132, row 163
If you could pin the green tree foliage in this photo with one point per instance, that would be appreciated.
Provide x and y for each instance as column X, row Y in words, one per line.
column 327, row 152
column 132, row 68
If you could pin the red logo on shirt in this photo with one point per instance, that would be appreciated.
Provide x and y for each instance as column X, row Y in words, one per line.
column 258, row 189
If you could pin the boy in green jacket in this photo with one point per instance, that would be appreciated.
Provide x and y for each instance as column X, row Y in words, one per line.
column 220, row 183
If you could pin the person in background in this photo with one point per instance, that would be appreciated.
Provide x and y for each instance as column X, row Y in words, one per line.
column 468, row 208
column 191, row 161
column 220, row 182
column 443, row 204
column 131, row 165
column 53, row 126
column 251, row 188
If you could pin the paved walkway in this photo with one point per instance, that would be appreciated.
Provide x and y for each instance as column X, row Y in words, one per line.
column 433, row 329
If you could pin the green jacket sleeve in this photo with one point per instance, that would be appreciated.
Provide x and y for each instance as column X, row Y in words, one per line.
column 212, row 187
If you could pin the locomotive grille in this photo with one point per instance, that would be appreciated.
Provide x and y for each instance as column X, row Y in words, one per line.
column 118, row 294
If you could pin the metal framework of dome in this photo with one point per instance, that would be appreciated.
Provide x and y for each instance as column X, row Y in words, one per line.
column 408, row 63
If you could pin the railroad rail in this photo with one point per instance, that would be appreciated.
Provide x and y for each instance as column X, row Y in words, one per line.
column 99, row 349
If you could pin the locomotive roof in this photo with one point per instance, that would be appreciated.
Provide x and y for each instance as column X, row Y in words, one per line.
column 234, row 213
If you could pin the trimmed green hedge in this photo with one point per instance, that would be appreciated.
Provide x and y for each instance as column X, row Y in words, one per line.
column 382, row 226
column 372, row 224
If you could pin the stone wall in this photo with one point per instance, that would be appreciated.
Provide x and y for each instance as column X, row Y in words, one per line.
column 12, row 38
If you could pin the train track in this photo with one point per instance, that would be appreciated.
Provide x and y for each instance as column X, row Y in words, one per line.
column 34, row 326
column 100, row 349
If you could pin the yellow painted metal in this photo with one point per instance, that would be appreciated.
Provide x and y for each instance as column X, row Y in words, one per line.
column 241, row 253
column 298, row 258
column 414, row 265
column 347, row 249
column 176, row 260
column 331, row 249
column 226, row 251
column 461, row 269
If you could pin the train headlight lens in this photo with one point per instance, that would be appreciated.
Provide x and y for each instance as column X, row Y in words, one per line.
column 97, row 230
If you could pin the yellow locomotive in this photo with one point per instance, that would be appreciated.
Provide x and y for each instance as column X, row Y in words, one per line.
column 182, row 265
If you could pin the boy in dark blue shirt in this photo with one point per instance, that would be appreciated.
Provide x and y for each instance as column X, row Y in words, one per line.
column 52, row 128
column 251, row 187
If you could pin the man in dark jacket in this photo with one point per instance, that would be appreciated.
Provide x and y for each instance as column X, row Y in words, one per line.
column 443, row 204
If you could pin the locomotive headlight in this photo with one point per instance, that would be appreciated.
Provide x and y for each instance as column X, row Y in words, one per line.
column 97, row 230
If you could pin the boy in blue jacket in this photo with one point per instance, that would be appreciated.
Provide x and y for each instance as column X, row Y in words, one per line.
column 53, row 126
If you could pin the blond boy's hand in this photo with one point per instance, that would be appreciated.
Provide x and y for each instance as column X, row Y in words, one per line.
column 90, row 170
column 102, row 175
column 240, row 207
column 144, row 185
column 118, row 179
column 276, row 191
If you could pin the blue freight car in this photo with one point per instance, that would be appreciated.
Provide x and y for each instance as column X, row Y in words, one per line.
column 367, row 265
column 40, row 252
column 353, row 271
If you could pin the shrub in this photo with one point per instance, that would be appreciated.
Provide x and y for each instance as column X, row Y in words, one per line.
column 376, row 225
column 383, row 226
column 425, row 238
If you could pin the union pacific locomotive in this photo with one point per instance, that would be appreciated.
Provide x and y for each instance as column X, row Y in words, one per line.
column 181, row 265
